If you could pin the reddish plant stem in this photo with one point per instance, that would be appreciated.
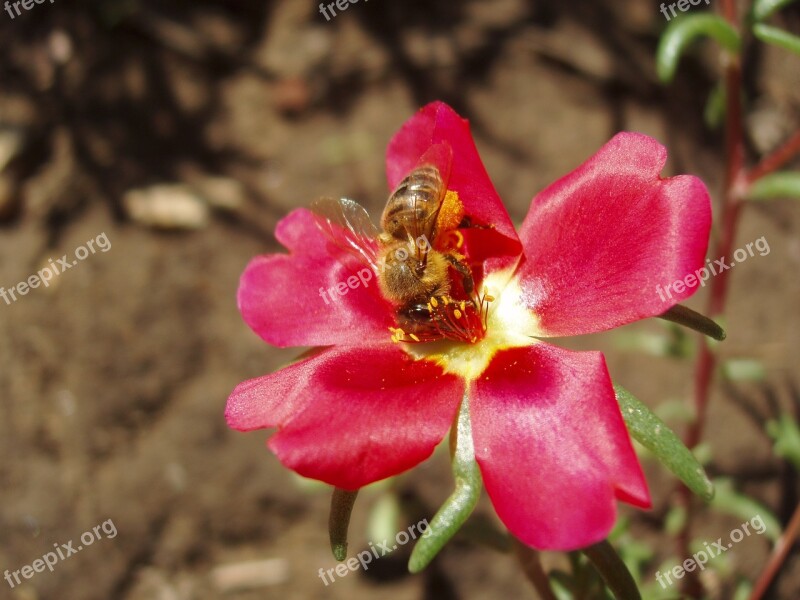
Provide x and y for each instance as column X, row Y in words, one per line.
column 737, row 179
column 774, row 161
column 731, row 208
column 729, row 11
column 779, row 554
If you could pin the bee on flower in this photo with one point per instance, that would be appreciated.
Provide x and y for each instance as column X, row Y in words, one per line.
column 469, row 319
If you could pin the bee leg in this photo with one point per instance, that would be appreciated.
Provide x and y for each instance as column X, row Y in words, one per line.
column 468, row 223
column 415, row 323
column 464, row 270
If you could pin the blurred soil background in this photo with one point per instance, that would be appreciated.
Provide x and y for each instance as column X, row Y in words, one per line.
column 184, row 131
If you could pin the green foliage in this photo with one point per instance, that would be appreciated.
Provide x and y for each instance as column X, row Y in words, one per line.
column 680, row 33
column 635, row 554
column 785, row 184
column 613, row 570
column 730, row 501
column 675, row 520
column 786, row 435
column 673, row 342
column 384, row 518
column 714, row 113
column 675, row 410
column 686, row 317
column 650, row 431
column 342, row 503
column 583, row 581
column 743, row 369
column 763, row 9
column 777, row 37
column 743, row 590
column 458, row 507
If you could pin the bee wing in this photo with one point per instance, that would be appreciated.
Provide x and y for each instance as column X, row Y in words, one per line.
column 439, row 156
column 347, row 224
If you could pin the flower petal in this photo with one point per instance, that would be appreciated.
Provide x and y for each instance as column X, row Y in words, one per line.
column 291, row 300
column 437, row 123
column 271, row 400
column 552, row 446
column 349, row 416
column 599, row 241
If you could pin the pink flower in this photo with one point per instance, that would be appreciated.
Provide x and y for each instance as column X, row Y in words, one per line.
column 551, row 444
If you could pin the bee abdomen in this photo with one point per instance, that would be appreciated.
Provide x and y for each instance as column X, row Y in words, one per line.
column 418, row 194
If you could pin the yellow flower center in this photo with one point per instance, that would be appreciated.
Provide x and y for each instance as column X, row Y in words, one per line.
column 509, row 325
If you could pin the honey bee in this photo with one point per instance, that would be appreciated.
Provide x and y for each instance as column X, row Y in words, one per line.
column 415, row 257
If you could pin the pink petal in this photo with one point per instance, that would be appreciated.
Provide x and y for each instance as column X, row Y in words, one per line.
column 348, row 416
column 271, row 400
column 437, row 123
column 280, row 299
column 599, row 241
column 552, row 446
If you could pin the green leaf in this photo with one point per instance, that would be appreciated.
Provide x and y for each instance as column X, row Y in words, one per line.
column 763, row 9
column 650, row 431
column 777, row 37
column 729, row 500
column 636, row 555
column 680, row 33
column 675, row 520
column 458, row 507
column 785, row 184
column 743, row 369
column 683, row 315
column 563, row 584
column 613, row 570
column 703, row 453
column 714, row 113
column 342, row 503
column 675, row 410
column 743, row 590
column 786, row 434
column 384, row 518
column 634, row 340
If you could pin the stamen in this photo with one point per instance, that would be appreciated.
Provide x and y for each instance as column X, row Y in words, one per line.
column 434, row 302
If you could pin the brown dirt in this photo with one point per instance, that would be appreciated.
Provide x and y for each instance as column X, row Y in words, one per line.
column 115, row 377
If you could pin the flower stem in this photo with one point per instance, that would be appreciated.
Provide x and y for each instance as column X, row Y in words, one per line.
column 737, row 180
column 683, row 315
column 779, row 554
column 776, row 159
column 731, row 210
column 613, row 571
column 342, row 503
column 460, row 504
column 532, row 567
